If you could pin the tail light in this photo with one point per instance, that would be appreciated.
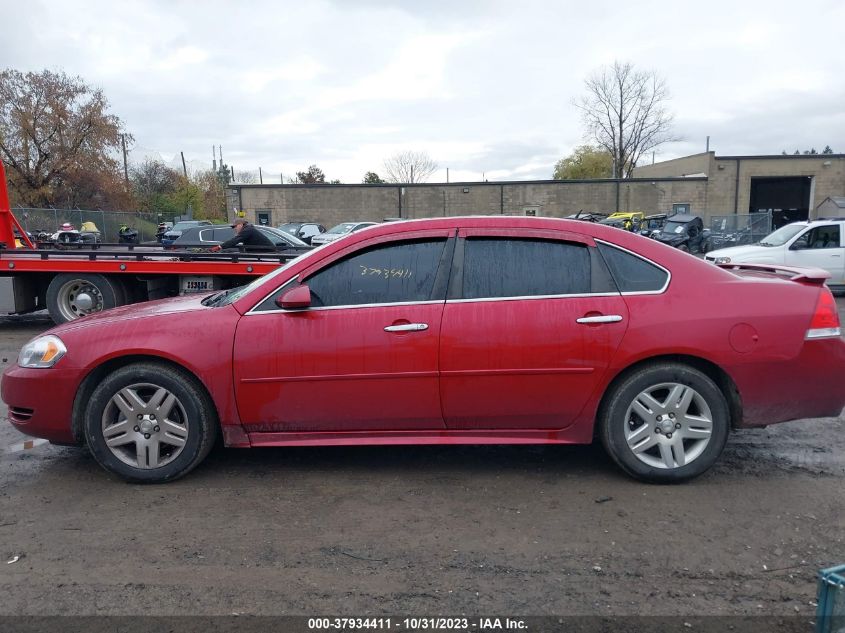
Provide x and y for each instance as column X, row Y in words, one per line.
column 825, row 321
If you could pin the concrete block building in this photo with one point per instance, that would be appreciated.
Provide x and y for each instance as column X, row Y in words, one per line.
column 791, row 187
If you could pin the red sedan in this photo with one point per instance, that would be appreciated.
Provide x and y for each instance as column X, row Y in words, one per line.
column 447, row 331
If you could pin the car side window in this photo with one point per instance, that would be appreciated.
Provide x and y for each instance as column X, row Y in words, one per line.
column 390, row 273
column 515, row 267
column 631, row 273
column 221, row 235
column 206, row 235
column 820, row 237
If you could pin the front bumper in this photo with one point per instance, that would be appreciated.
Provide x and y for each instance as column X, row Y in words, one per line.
column 41, row 401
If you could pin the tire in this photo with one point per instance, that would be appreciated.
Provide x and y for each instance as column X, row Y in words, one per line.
column 629, row 423
column 168, row 444
column 684, row 248
column 73, row 295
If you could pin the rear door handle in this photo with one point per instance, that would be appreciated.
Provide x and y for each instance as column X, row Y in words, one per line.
column 604, row 318
column 407, row 327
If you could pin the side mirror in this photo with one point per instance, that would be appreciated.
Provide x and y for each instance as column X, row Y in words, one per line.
column 798, row 246
column 296, row 298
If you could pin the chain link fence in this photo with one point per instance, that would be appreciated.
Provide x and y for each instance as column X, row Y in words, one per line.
column 734, row 230
column 108, row 223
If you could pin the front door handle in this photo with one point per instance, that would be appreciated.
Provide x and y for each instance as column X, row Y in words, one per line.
column 407, row 327
column 603, row 318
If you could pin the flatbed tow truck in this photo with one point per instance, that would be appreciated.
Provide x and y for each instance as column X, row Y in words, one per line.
column 73, row 282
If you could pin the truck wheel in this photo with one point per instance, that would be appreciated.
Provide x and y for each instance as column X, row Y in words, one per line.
column 73, row 295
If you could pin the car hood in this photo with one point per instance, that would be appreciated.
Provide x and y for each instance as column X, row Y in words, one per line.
column 171, row 306
column 747, row 252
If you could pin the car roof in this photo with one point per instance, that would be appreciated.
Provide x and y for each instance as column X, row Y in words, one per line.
column 683, row 218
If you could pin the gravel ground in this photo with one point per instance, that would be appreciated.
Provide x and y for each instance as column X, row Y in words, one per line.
column 421, row 530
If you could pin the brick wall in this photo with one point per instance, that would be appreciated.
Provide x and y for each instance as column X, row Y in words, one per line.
column 331, row 204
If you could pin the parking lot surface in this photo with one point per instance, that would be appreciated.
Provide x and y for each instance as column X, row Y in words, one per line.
column 421, row 530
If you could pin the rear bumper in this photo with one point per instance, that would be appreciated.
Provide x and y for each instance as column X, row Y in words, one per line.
column 812, row 385
column 41, row 401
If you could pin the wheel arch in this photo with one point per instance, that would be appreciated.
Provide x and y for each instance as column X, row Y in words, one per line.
column 710, row 369
column 93, row 377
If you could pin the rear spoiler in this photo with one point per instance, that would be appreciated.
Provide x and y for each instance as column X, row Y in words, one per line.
column 815, row 276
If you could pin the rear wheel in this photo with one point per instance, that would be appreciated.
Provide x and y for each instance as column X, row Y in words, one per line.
column 665, row 423
column 151, row 423
column 74, row 295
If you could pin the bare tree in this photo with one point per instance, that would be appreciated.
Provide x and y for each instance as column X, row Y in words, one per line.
column 625, row 113
column 409, row 166
column 246, row 177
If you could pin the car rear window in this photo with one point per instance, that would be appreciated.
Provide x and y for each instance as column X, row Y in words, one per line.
column 632, row 273
column 511, row 267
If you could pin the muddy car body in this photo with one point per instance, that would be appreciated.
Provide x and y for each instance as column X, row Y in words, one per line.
column 478, row 330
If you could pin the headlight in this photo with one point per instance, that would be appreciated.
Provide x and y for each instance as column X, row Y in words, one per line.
column 42, row 352
column 723, row 260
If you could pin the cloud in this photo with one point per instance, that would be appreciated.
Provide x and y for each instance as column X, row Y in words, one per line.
column 484, row 87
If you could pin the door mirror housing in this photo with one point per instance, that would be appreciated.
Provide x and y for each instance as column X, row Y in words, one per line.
column 296, row 298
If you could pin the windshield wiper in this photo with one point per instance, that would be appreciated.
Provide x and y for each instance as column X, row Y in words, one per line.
column 216, row 298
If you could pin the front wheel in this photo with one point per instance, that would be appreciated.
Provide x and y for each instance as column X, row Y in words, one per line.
column 150, row 423
column 665, row 423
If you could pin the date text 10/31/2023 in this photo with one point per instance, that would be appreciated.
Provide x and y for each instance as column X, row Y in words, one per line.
column 417, row 624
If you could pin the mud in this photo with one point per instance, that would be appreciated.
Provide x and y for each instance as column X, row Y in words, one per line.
column 421, row 530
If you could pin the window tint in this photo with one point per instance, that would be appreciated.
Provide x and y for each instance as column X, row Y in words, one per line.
column 382, row 274
column 631, row 273
column 504, row 267
column 820, row 237
column 221, row 235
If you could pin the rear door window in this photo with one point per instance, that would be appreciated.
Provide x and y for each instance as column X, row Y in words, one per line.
column 516, row 267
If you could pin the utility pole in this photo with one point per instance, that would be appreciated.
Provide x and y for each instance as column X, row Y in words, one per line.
column 125, row 168
column 412, row 173
column 214, row 158
column 184, row 167
column 447, row 175
column 260, row 176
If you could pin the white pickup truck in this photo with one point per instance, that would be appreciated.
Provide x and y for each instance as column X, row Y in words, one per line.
column 817, row 244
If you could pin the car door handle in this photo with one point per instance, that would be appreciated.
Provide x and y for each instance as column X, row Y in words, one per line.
column 407, row 327
column 603, row 318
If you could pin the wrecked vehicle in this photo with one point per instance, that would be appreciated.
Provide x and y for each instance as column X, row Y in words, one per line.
column 684, row 232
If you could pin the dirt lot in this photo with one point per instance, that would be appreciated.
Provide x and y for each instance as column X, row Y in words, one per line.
column 421, row 530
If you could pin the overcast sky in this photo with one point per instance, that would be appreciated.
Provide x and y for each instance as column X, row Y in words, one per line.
column 483, row 87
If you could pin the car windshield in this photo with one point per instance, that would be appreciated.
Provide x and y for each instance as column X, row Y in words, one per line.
column 287, row 237
column 183, row 226
column 343, row 228
column 782, row 235
column 289, row 228
column 673, row 227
